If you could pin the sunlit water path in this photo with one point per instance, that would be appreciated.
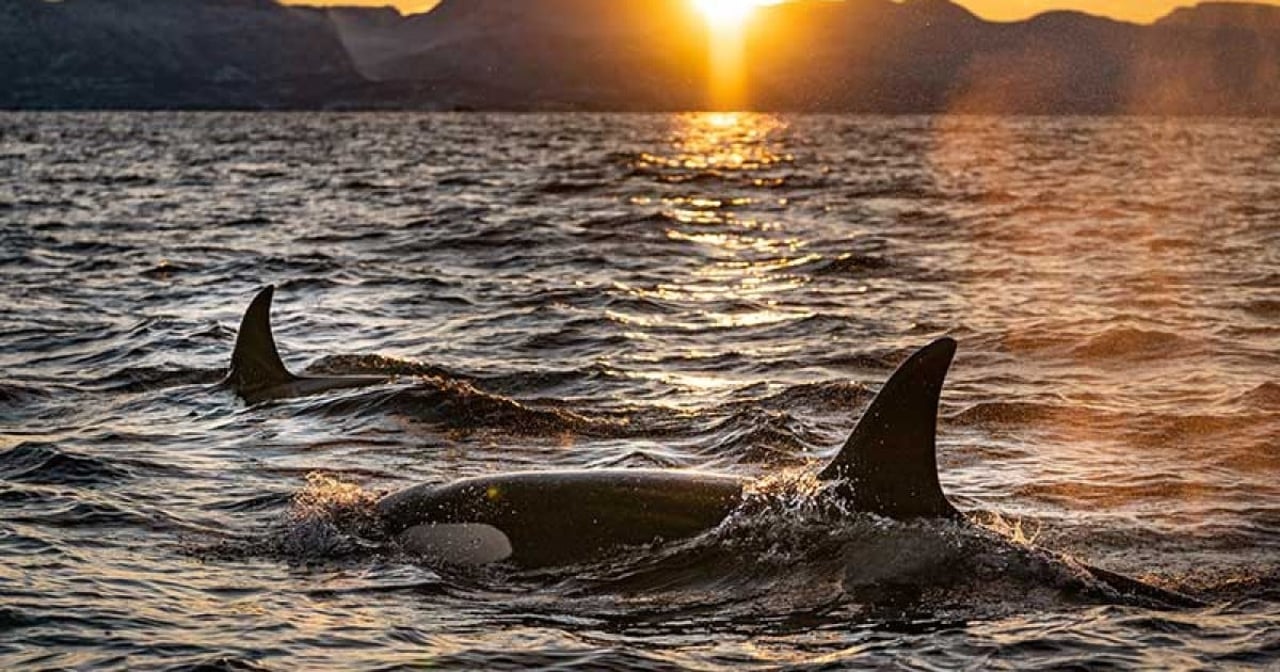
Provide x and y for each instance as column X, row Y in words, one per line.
column 719, row 292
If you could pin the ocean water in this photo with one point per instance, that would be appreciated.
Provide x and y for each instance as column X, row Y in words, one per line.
column 715, row 292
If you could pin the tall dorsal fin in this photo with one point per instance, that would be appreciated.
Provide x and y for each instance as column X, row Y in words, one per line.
column 889, row 463
column 255, row 363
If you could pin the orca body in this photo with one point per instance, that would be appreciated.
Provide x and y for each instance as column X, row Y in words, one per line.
column 558, row 518
column 257, row 373
column 546, row 518
column 540, row 519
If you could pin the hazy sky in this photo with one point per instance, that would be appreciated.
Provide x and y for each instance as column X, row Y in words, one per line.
column 1001, row 10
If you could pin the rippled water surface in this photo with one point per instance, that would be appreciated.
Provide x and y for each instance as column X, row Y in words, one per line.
column 707, row 291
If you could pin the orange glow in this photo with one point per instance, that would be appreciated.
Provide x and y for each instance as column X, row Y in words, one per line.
column 727, row 19
column 1145, row 11
column 746, row 257
column 1142, row 11
column 726, row 14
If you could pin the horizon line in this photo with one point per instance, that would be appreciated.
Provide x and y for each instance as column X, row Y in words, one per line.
column 431, row 6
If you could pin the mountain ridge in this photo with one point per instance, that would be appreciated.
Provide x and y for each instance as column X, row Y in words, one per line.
column 872, row 56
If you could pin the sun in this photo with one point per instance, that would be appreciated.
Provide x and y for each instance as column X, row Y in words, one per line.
column 727, row 13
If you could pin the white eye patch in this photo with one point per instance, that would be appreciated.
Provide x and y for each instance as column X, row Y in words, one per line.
column 458, row 544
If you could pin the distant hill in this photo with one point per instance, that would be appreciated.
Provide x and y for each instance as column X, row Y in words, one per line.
column 167, row 54
column 538, row 54
column 1226, row 15
column 808, row 55
column 931, row 55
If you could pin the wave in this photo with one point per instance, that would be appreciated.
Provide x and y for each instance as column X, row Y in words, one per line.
column 574, row 336
column 834, row 398
column 1005, row 413
column 760, row 437
column 12, row 618
column 1128, row 343
column 166, row 269
column 134, row 379
column 853, row 264
column 305, row 283
column 217, row 663
column 13, row 395
column 459, row 406
column 1264, row 397
column 85, row 513
column 253, row 267
column 562, row 187
column 328, row 519
column 1264, row 308
column 47, row 464
column 546, row 382
column 264, row 502
column 505, row 384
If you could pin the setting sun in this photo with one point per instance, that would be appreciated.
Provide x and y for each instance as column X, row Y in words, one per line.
column 727, row 13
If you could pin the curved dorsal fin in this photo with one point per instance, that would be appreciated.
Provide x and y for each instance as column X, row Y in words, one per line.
column 889, row 462
column 255, row 363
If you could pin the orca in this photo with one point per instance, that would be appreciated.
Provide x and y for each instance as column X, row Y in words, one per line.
column 257, row 374
column 540, row 519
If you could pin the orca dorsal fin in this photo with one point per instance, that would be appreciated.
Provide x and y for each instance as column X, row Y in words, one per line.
column 255, row 363
column 889, row 464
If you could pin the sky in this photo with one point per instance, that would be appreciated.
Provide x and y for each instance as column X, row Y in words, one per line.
column 1143, row 11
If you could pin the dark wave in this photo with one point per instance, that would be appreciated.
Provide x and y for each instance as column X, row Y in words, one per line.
column 1006, row 413
column 14, row 395
column 852, row 264
column 1265, row 308
column 264, row 502
column 829, row 398
column 86, row 514
column 13, row 619
column 48, row 464
column 1263, row 397
column 131, row 380
column 562, row 187
column 542, row 383
column 308, row 283
column 457, row 405
column 573, row 336
column 761, row 437
column 219, row 663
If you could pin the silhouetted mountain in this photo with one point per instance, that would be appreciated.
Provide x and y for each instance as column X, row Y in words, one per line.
column 806, row 55
column 1225, row 15
column 543, row 54
column 167, row 53
column 370, row 35
column 818, row 55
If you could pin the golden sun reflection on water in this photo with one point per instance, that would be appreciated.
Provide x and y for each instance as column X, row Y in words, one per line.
column 718, row 168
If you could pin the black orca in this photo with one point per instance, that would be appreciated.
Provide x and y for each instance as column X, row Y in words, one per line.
column 555, row 518
column 887, row 467
column 256, row 372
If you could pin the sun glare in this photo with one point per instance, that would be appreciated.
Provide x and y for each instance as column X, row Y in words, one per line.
column 727, row 13
column 727, row 25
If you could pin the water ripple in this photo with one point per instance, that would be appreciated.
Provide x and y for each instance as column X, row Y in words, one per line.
column 718, row 292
